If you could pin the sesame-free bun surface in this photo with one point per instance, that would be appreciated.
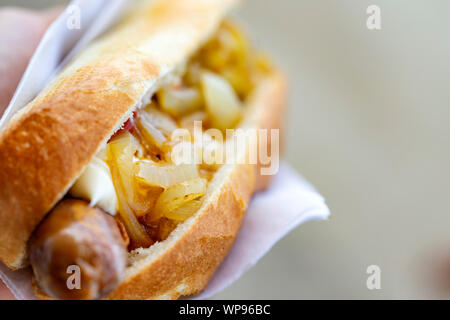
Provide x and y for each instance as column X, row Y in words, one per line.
column 47, row 145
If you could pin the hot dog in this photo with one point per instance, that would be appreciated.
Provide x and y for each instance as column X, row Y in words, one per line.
column 90, row 162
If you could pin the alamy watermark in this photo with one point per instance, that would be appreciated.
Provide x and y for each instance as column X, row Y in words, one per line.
column 373, row 21
column 373, row 281
column 236, row 146
column 74, row 280
column 74, row 19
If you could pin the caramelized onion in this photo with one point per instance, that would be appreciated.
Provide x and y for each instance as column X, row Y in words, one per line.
column 148, row 172
column 185, row 211
column 121, row 151
column 179, row 101
column 177, row 196
column 152, row 135
column 161, row 121
column 222, row 103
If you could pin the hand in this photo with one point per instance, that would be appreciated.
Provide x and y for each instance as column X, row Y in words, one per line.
column 5, row 294
column 20, row 33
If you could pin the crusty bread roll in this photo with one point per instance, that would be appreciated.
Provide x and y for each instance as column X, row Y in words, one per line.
column 45, row 148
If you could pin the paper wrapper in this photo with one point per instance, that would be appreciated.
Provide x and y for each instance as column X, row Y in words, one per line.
column 289, row 201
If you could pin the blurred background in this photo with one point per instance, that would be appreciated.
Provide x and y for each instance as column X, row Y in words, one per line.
column 369, row 126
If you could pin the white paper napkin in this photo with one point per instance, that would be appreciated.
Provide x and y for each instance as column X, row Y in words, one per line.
column 289, row 202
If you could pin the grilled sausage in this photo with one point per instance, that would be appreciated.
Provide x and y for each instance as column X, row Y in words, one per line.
column 77, row 240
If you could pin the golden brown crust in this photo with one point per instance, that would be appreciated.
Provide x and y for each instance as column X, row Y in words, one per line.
column 43, row 150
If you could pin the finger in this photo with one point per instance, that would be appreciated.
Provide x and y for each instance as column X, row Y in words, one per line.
column 20, row 33
column 5, row 294
column 49, row 15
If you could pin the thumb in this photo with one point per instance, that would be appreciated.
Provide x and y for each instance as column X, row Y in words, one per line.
column 20, row 33
column 49, row 15
column 5, row 294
